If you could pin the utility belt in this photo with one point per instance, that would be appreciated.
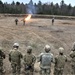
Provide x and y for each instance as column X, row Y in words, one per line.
column 59, row 69
column 28, row 67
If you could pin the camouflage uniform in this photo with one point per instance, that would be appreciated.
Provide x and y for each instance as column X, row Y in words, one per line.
column 16, row 21
column 59, row 63
column 23, row 21
column 15, row 59
column 29, row 61
column 53, row 21
column 45, row 60
column 2, row 56
column 72, row 55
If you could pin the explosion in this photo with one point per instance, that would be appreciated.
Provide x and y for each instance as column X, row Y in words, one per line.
column 28, row 17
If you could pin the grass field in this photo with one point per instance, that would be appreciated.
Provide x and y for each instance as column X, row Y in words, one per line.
column 37, row 32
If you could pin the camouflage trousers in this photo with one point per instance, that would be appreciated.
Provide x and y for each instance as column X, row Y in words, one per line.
column 29, row 70
column 16, row 68
column 73, row 70
column 45, row 71
column 58, row 71
column 16, row 23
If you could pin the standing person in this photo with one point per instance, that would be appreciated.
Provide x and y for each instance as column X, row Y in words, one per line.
column 60, row 61
column 72, row 55
column 15, row 59
column 45, row 60
column 24, row 21
column 16, row 21
column 2, row 56
column 53, row 21
column 29, row 61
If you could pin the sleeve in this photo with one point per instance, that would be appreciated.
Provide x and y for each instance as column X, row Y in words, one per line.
column 39, row 57
column 3, row 55
column 71, row 54
column 21, row 56
column 34, row 59
column 10, row 56
column 66, row 58
column 24, row 59
column 52, row 59
column 55, row 59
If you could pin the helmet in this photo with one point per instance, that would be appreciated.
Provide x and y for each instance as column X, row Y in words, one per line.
column 61, row 49
column 29, row 49
column 16, row 44
column 73, row 46
column 47, row 48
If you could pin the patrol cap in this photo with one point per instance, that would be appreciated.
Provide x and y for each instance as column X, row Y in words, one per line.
column 61, row 50
column 16, row 44
column 47, row 48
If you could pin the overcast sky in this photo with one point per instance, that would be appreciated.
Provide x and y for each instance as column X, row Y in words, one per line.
column 43, row 1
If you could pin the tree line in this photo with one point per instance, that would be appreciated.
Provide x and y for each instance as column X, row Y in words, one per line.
column 40, row 8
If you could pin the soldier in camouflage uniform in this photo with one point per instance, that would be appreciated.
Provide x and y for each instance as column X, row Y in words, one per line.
column 60, row 61
column 16, row 21
column 15, row 59
column 45, row 60
column 72, row 55
column 24, row 21
column 53, row 21
column 2, row 56
column 29, row 61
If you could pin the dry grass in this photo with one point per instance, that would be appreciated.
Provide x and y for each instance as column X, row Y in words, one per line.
column 37, row 33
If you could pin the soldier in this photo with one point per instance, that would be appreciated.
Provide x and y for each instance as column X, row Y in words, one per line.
column 29, row 61
column 60, row 61
column 72, row 55
column 2, row 56
column 16, row 21
column 45, row 60
column 23, row 21
column 53, row 21
column 15, row 59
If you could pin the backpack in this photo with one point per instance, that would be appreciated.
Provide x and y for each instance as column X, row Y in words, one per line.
column 46, row 59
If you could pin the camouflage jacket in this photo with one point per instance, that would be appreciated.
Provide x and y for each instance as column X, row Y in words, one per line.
column 72, row 55
column 45, row 60
column 29, row 59
column 60, row 61
column 2, row 56
column 15, row 56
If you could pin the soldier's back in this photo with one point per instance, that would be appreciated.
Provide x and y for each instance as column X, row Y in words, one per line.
column 28, row 58
column 15, row 55
column 46, row 59
column 60, row 61
column 72, row 55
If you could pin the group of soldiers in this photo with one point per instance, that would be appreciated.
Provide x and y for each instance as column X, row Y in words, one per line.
column 16, row 21
column 45, row 59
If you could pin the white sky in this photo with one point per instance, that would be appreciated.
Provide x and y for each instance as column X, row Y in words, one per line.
column 43, row 1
